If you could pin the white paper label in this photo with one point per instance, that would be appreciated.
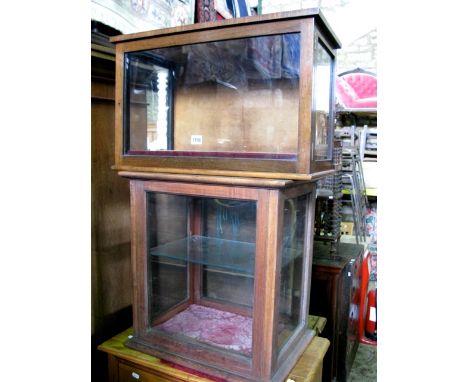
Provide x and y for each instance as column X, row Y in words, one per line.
column 135, row 375
column 196, row 139
column 373, row 314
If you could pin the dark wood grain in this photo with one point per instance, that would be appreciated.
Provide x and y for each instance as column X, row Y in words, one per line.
column 233, row 181
column 305, row 103
column 266, row 280
column 139, row 261
column 211, row 172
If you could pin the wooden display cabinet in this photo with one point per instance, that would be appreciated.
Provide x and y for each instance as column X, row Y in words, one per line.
column 251, row 96
column 222, row 274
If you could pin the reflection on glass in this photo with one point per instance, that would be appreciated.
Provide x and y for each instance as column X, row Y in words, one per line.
column 201, row 256
column 292, row 259
column 235, row 98
column 148, row 104
column 323, row 67
column 157, row 113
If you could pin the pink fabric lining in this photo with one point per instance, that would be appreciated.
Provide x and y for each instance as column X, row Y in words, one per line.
column 215, row 327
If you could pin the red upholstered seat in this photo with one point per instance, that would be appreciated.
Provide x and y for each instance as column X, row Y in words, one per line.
column 357, row 90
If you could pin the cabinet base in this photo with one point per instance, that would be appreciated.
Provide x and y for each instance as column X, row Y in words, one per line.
column 220, row 372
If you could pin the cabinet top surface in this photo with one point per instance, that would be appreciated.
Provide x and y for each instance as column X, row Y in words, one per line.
column 297, row 14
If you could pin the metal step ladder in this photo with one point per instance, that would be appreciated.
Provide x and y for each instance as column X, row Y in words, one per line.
column 353, row 180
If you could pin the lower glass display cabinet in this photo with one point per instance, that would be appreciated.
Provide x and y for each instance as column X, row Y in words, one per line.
column 222, row 276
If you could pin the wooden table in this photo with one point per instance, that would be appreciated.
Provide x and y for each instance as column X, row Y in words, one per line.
column 128, row 365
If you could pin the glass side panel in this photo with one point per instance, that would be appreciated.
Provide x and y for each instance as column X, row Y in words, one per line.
column 201, row 253
column 322, row 94
column 292, row 260
column 235, row 98
column 168, row 277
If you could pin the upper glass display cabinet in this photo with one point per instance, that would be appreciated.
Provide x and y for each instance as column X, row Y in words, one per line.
column 252, row 94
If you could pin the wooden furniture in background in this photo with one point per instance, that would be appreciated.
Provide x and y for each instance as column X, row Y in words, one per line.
column 335, row 294
column 111, row 283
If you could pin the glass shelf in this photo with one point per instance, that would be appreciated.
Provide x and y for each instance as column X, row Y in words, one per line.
column 219, row 254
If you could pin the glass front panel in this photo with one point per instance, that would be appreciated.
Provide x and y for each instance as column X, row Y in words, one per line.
column 292, row 262
column 322, row 96
column 235, row 98
column 202, row 257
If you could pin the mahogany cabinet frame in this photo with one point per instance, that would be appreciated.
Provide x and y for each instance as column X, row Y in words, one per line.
column 309, row 23
column 265, row 363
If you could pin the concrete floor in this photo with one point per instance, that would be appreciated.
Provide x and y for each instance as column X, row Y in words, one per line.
column 364, row 367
